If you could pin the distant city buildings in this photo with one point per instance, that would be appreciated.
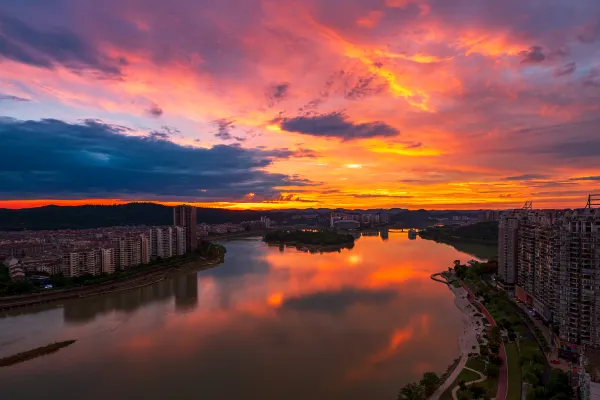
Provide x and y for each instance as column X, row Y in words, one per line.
column 107, row 250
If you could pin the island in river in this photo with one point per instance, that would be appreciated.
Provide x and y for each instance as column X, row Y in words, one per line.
column 311, row 240
column 31, row 354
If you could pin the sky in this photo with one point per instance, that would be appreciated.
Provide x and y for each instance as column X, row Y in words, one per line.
column 450, row 104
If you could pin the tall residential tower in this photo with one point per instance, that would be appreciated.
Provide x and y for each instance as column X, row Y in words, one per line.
column 185, row 216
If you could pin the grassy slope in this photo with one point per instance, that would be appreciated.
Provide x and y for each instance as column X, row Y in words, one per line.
column 514, row 372
column 465, row 375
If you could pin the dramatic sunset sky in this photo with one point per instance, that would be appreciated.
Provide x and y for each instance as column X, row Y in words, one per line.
column 300, row 103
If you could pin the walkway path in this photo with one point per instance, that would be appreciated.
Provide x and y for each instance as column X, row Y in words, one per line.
column 481, row 379
column 467, row 339
column 503, row 376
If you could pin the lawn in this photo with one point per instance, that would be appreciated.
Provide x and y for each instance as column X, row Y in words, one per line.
column 465, row 375
column 514, row 372
column 476, row 364
column 491, row 386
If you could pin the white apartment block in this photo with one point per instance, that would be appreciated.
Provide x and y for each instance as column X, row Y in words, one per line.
column 167, row 242
column 156, row 241
column 144, row 249
column 179, row 240
column 107, row 261
column 128, row 252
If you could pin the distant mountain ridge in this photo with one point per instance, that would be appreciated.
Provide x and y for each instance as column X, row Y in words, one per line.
column 96, row 216
column 54, row 217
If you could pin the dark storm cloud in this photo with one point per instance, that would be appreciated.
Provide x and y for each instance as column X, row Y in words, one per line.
column 224, row 126
column 51, row 158
column 525, row 177
column 383, row 196
column 572, row 149
column 338, row 301
column 533, row 55
column 48, row 48
column 586, row 178
column 566, row 69
column 12, row 98
column 336, row 125
column 155, row 111
column 277, row 92
column 366, row 86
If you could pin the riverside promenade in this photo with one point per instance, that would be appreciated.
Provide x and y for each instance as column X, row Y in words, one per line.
column 466, row 302
column 503, row 376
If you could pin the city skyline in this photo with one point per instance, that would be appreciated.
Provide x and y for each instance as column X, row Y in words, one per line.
column 433, row 104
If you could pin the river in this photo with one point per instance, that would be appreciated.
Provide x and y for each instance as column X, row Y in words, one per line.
column 266, row 324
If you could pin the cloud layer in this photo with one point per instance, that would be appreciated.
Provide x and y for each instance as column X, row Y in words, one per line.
column 52, row 158
column 336, row 125
column 437, row 101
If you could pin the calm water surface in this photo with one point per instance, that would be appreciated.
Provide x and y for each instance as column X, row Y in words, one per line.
column 266, row 324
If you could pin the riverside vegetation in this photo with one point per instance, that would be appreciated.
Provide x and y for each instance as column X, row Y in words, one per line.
column 524, row 343
column 320, row 240
column 482, row 232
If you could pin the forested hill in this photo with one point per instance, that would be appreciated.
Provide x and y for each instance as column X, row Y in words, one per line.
column 482, row 232
column 89, row 216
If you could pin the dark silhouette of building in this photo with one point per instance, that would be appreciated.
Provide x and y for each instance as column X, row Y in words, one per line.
column 185, row 216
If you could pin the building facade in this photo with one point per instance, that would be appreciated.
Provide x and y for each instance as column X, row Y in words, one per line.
column 508, row 231
column 578, row 263
column 185, row 216
column 557, row 266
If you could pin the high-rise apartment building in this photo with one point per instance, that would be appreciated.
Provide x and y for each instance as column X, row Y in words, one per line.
column 144, row 249
column 88, row 262
column 167, row 242
column 508, row 230
column 179, row 241
column 557, row 270
column 70, row 264
column 185, row 216
column 156, row 241
column 536, row 268
column 578, row 306
column 107, row 261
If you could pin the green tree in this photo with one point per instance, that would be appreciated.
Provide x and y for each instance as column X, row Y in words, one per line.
column 477, row 392
column 430, row 382
column 558, row 383
column 493, row 370
column 411, row 391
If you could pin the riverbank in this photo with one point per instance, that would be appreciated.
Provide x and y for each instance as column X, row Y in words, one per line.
column 144, row 277
column 467, row 340
column 31, row 354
